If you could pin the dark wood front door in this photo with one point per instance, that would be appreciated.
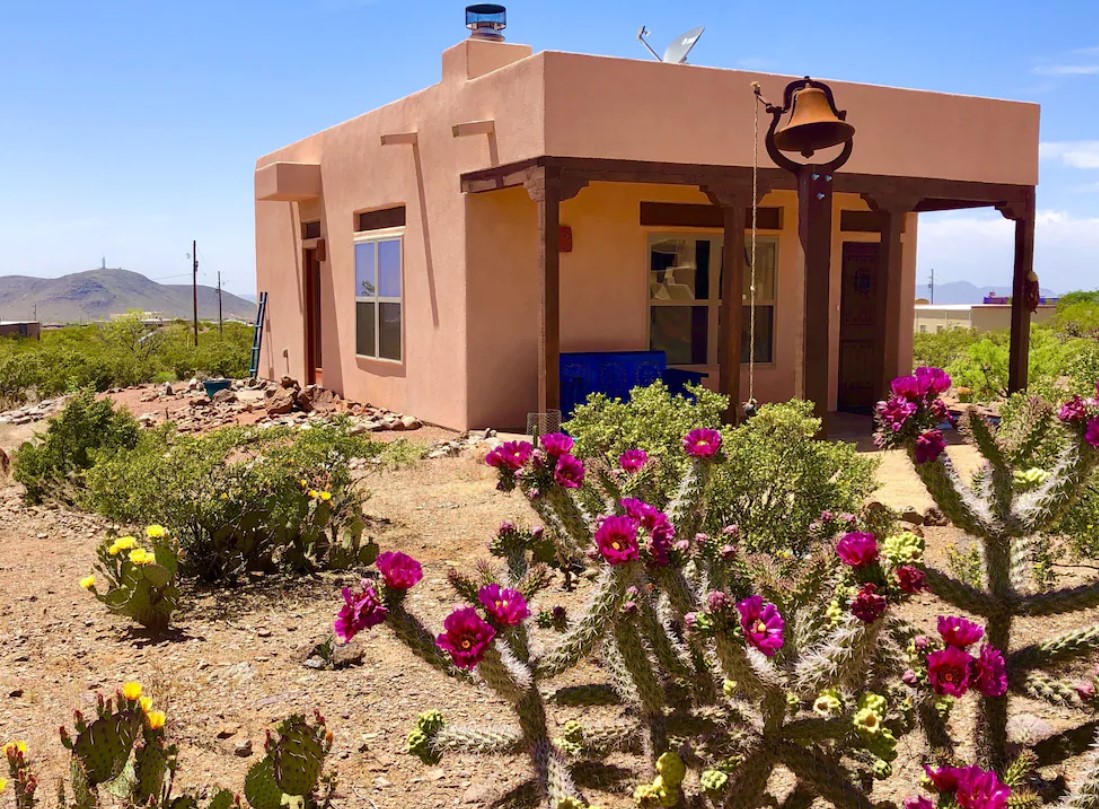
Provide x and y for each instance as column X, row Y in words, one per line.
column 862, row 313
column 313, row 359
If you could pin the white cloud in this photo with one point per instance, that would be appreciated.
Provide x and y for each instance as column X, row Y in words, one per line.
column 1065, row 70
column 1080, row 154
column 980, row 248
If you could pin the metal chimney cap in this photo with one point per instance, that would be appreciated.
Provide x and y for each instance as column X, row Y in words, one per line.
column 486, row 20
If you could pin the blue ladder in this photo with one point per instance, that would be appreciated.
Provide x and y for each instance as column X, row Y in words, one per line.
column 257, row 335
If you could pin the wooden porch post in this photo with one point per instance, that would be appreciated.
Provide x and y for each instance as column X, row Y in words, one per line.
column 547, row 188
column 891, row 269
column 1019, row 355
column 734, row 204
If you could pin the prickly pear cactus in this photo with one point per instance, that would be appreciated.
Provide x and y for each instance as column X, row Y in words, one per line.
column 293, row 767
column 140, row 577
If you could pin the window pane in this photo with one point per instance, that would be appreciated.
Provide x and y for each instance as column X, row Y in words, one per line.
column 680, row 332
column 389, row 268
column 365, row 277
column 765, row 333
column 364, row 329
column 389, row 341
column 766, row 253
column 678, row 270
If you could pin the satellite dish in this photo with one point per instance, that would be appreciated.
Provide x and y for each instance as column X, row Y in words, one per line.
column 678, row 50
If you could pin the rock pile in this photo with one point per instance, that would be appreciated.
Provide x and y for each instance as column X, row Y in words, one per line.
column 32, row 412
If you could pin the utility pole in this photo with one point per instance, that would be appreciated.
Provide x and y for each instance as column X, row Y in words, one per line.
column 932, row 285
column 220, row 331
column 194, row 284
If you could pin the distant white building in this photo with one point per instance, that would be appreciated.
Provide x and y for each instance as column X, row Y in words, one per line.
column 935, row 317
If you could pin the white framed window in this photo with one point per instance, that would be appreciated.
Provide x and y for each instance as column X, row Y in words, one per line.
column 379, row 284
column 685, row 299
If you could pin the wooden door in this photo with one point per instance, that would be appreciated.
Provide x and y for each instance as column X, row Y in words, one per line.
column 313, row 355
column 862, row 326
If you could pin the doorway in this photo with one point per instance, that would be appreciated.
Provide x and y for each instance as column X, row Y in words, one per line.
column 313, row 355
column 862, row 328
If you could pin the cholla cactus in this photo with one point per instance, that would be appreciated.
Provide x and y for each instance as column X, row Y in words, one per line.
column 141, row 581
column 725, row 664
column 1003, row 508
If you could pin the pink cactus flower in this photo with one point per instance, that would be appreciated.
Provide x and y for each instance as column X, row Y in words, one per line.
column 857, row 549
column 980, row 789
column 909, row 677
column 918, row 802
column 466, row 638
column 907, row 387
column 929, row 446
column 894, row 412
column 359, row 611
column 948, row 671
column 867, row 605
column 702, row 442
column 556, row 444
column 1085, row 690
column 763, row 626
column 1073, row 410
column 921, row 643
column 1091, row 435
column 944, row 779
column 505, row 606
column 400, row 571
column 934, row 381
column 569, row 472
column 959, row 632
column 656, row 524
column 616, row 539
column 989, row 674
column 512, row 455
column 910, row 579
column 633, row 460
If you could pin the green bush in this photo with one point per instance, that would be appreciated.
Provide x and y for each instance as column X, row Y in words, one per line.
column 779, row 478
column 939, row 349
column 82, row 432
column 243, row 498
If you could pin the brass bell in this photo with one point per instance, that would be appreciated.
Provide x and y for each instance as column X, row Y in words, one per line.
column 813, row 124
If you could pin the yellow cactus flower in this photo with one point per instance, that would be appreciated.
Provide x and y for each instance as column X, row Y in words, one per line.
column 326, row 496
column 156, row 532
column 3, row 784
column 131, row 691
column 140, row 556
column 146, row 704
column 303, row 483
column 155, row 719
column 88, row 582
column 312, row 494
column 125, row 543
column 17, row 746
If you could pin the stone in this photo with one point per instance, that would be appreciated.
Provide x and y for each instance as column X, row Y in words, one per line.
column 912, row 516
column 315, row 398
column 289, row 382
column 5, row 462
column 935, row 517
column 226, row 396
column 243, row 749
column 280, row 402
column 410, row 423
column 167, row 390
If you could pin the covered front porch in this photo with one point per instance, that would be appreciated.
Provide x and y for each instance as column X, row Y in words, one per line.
column 824, row 343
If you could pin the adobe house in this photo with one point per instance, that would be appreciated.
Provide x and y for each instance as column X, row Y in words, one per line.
column 440, row 254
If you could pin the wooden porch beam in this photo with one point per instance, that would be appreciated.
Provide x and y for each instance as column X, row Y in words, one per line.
column 400, row 138
column 1019, row 351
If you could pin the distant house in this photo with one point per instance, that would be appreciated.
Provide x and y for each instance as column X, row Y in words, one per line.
column 444, row 254
column 935, row 317
column 21, row 328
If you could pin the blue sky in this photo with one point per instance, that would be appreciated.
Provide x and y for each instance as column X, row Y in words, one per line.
column 129, row 127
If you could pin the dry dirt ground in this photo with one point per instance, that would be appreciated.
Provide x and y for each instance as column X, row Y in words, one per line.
column 235, row 665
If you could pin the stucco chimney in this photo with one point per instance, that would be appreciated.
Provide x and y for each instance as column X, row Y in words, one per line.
column 485, row 50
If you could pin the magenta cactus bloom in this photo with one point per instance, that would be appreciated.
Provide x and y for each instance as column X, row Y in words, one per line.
column 867, row 605
column 556, row 444
column 505, row 606
column 895, row 412
column 959, row 632
column 400, row 571
column 616, row 539
column 633, row 460
column 918, row 802
column 569, row 472
column 1073, row 410
column 980, row 789
column 948, row 671
column 466, row 638
column 910, row 579
column 944, row 779
column 857, row 549
column 929, row 446
column 762, row 624
column 989, row 674
column 359, row 611
column 907, row 387
column 1091, row 434
column 933, row 381
column 511, row 455
column 702, row 442
column 656, row 524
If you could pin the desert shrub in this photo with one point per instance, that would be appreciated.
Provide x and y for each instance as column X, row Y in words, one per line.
column 243, row 498
column 82, row 432
column 778, row 478
column 140, row 577
column 121, row 755
column 939, row 349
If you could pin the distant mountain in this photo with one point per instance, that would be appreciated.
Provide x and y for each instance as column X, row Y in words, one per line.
column 98, row 294
column 965, row 292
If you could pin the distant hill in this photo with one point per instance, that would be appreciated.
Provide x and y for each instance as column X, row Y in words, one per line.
column 98, row 294
column 965, row 292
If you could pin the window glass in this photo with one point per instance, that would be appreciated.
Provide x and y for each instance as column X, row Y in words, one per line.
column 675, row 273
column 765, row 328
column 389, row 268
column 365, row 276
column 389, row 333
column 364, row 328
column 681, row 332
column 765, row 272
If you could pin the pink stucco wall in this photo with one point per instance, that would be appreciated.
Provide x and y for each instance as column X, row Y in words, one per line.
column 470, row 275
